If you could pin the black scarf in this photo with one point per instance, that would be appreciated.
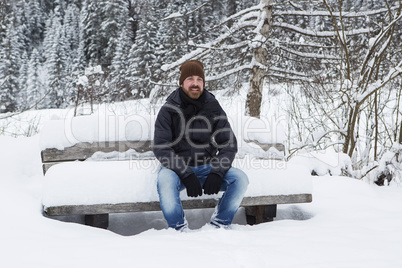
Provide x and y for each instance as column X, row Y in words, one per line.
column 191, row 106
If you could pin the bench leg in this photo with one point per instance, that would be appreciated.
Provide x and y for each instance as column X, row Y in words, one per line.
column 269, row 212
column 260, row 214
column 98, row 220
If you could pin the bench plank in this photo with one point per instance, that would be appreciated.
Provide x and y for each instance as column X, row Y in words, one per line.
column 187, row 204
column 84, row 150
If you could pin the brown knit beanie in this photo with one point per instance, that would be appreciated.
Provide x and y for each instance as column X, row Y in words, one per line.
column 189, row 68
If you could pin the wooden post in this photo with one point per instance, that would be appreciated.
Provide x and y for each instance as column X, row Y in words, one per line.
column 260, row 214
column 98, row 220
column 269, row 212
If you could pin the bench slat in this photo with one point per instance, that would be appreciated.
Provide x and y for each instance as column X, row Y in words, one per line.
column 84, row 150
column 187, row 204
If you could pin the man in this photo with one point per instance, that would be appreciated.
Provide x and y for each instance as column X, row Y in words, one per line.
column 196, row 147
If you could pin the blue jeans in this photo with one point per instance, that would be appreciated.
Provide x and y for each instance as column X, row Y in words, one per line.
column 234, row 185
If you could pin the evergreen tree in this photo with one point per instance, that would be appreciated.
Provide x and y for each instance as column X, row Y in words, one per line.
column 74, row 64
column 91, row 21
column 34, row 86
column 56, row 62
column 21, row 98
column 115, row 20
column 11, row 50
column 143, row 59
column 119, row 81
column 71, row 23
column 35, row 23
column 172, row 35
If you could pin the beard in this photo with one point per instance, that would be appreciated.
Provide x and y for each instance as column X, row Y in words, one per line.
column 193, row 94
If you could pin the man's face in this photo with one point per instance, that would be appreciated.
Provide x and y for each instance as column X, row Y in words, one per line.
column 193, row 86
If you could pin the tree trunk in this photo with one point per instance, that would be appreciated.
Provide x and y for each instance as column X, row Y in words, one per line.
column 260, row 53
column 350, row 141
column 376, row 125
column 77, row 101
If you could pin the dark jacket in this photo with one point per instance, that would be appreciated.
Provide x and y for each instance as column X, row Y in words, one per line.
column 205, row 138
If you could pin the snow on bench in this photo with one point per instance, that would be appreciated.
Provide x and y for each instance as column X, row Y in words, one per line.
column 95, row 176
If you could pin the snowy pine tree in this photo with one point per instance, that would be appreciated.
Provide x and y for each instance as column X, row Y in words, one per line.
column 120, row 88
column 144, row 63
column 34, row 86
column 11, row 51
column 91, row 20
column 56, row 55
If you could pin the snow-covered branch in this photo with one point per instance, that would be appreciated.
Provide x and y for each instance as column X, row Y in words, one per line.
column 210, row 45
column 375, row 41
column 179, row 15
column 310, row 55
column 244, row 11
column 321, row 136
column 226, row 47
column 275, row 69
column 284, row 75
column 372, row 88
column 312, row 33
column 192, row 55
column 323, row 13
column 229, row 72
column 303, row 44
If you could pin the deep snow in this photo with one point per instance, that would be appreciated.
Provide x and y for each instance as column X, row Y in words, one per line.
column 349, row 224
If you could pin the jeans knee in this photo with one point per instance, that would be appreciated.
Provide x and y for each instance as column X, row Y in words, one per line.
column 167, row 180
column 243, row 179
column 237, row 178
column 241, row 176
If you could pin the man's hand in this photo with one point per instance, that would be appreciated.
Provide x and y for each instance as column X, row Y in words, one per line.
column 212, row 184
column 193, row 185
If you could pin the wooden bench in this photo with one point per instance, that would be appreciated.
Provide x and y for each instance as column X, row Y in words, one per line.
column 258, row 208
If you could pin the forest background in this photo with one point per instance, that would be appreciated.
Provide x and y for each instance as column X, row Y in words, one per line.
column 339, row 63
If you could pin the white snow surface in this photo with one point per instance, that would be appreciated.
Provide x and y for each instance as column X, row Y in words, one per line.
column 111, row 182
column 349, row 224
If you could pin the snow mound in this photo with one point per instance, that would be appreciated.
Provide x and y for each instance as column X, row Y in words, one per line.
column 325, row 162
column 111, row 182
column 96, row 128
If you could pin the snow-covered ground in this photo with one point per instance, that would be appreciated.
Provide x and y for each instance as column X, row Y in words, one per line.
column 350, row 223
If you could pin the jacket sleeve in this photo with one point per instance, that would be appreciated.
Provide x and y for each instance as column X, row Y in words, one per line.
column 225, row 141
column 163, row 142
